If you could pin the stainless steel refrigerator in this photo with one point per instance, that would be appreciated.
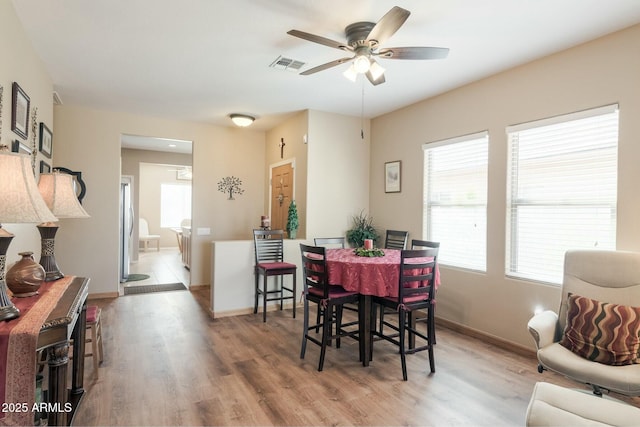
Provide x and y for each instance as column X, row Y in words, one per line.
column 126, row 227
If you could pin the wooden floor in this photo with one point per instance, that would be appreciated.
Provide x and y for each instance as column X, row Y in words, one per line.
column 163, row 266
column 167, row 362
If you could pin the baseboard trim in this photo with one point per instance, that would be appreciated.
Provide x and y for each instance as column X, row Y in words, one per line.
column 198, row 287
column 488, row 338
column 249, row 310
column 103, row 295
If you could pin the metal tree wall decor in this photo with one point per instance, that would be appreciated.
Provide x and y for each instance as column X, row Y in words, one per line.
column 231, row 185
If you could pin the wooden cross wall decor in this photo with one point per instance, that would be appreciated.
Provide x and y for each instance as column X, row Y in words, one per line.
column 281, row 145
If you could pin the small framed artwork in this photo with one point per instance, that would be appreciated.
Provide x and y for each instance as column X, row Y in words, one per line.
column 392, row 177
column 45, row 167
column 20, row 111
column 46, row 140
column 20, row 147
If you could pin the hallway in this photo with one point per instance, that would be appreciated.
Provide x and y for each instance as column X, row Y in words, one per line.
column 162, row 267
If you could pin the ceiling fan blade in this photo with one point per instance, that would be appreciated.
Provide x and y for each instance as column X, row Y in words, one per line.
column 320, row 40
column 325, row 66
column 388, row 24
column 413, row 53
column 373, row 81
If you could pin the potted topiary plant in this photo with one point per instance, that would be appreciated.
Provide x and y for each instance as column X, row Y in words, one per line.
column 292, row 220
column 362, row 229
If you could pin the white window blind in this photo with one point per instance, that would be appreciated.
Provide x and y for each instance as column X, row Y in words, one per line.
column 455, row 199
column 562, row 191
column 175, row 204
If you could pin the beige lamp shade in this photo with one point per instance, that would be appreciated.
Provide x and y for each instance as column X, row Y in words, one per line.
column 58, row 192
column 21, row 201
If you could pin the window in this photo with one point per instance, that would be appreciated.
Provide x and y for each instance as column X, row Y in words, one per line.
column 562, row 191
column 175, row 204
column 455, row 199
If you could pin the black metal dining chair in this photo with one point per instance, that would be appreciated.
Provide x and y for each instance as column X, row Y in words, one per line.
column 269, row 262
column 423, row 244
column 329, row 243
column 416, row 291
column 330, row 300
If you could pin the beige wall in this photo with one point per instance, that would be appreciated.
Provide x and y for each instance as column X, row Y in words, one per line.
column 92, row 145
column 18, row 63
column 601, row 72
column 338, row 172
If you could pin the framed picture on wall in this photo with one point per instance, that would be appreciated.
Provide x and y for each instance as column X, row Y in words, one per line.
column 45, row 167
column 20, row 147
column 46, row 140
column 20, row 111
column 392, row 177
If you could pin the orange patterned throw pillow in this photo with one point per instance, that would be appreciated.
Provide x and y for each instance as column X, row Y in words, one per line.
column 602, row 332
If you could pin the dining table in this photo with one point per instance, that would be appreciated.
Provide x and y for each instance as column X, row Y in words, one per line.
column 369, row 276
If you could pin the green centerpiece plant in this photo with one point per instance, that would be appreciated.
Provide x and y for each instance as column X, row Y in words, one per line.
column 362, row 229
column 292, row 220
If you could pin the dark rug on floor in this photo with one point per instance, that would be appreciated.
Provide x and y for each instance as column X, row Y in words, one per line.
column 137, row 277
column 145, row 289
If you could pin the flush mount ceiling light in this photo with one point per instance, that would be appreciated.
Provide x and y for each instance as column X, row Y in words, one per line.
column 242, row 120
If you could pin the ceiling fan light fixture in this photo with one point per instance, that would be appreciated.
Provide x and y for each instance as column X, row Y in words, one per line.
column 361, row 64
column 242, row 120
column 351, row 73
column 376, row 70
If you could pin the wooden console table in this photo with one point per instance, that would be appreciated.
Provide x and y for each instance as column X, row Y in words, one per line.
column 68, row 320
column 57, row 316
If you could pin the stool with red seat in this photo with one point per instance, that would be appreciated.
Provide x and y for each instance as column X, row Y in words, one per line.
column 269, row 251
column 95, row 337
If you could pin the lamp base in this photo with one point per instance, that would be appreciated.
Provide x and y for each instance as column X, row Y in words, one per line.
column 47, row 258
column 9, row 312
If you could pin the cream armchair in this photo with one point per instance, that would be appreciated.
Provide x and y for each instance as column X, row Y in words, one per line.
column 606, row 276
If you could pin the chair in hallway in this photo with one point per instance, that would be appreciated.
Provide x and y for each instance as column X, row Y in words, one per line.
column 145, row 237
column 396, row 239
column 269, row 257
column 416, row 291
column 330, row 300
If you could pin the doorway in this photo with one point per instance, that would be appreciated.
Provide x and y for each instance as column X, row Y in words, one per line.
column 159, row 167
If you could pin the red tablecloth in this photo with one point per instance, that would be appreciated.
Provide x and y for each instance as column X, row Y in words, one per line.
column 367, row 275
column 18, row 342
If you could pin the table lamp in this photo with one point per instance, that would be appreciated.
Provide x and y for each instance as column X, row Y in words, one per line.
column 58, row 191
column 21, row 203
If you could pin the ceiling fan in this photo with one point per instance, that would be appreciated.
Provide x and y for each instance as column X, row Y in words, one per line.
column 364, row 39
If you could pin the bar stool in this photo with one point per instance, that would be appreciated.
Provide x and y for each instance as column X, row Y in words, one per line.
column 95, row 328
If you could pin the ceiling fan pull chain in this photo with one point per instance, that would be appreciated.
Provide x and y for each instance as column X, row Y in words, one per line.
column 362, row 112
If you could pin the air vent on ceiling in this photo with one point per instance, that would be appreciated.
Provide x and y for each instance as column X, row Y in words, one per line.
column 288, row 64
column 56, row 98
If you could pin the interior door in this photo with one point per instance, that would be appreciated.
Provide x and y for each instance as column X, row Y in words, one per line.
column 281, row 195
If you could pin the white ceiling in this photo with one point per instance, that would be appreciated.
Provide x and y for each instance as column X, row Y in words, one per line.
column 201, row 60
